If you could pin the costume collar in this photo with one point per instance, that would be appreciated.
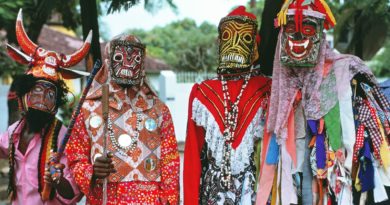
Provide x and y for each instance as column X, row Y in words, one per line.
column 139, row 98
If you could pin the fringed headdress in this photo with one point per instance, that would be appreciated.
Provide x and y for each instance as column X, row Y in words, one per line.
column 300, row 8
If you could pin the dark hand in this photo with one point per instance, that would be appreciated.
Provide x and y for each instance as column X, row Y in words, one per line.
column 103, row 166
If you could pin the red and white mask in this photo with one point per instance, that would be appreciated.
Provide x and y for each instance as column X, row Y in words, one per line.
column 302, row 34
column 301, row 48
column 42, row 96
column 126, row 58
column 45, row 63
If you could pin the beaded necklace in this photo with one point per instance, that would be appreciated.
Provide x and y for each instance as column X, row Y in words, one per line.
column 122, row 142
column 230, row 124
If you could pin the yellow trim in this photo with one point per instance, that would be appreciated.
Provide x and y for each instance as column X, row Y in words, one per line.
column 384, row 149
column 328, row 12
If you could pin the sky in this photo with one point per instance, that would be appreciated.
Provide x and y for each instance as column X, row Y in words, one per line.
column 199, row 10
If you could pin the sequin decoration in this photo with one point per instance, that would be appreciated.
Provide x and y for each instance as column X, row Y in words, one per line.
column 124, row 140
column 150, row 124
column 150, row 164
column 147, row 174
column 95, row 121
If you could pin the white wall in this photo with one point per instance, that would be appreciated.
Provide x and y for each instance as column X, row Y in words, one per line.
column 175, row 96
column 3, row 108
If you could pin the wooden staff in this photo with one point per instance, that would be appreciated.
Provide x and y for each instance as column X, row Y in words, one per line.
column 105, row 118
column 56, row 158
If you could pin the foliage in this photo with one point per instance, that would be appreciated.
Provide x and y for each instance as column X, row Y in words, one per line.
column 256, row 7
column 380, row 64
column 7, row 11
column 70, row 13
column 363, row 29
column 183, row 44
column 67, row 109
column 8, row 67
column 357, row 24
column 149, row 5
column 32, row 10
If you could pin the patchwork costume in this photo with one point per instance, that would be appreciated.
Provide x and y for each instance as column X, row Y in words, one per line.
column 40, row 91
column 225, row 120
column 328, row 140
column 140, row 133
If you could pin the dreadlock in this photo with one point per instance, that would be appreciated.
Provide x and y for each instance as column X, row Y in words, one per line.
column 11, row 161
column 22, row 85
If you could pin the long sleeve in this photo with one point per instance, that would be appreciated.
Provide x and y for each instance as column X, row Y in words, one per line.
column 4, row 139
column 170, row 161
column 68, row 176
column 192, row 162
column 78, row 154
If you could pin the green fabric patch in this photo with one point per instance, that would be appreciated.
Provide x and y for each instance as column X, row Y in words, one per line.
column 257, row 158
column 333, row 127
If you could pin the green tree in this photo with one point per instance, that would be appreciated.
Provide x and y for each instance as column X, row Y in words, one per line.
column 149, row 5
column 36, row 13
column 380, row 62
column 362, row 26
column 256, row 7
column 183, row 44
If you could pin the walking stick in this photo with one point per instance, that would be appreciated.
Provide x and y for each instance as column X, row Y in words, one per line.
column 105, row 118
column 57, row 156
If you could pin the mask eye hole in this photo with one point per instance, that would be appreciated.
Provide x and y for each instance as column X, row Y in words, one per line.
column 225, row 35
column 290, row 28
column 247, row 38
column 51, row 95
column 37, row 89
column 118, row 57
column 308, row 30
column 137, row 58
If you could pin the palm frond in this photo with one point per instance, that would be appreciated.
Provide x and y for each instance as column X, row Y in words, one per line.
column 150, row 6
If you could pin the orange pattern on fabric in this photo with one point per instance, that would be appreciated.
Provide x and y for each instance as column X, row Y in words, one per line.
column 147, row 175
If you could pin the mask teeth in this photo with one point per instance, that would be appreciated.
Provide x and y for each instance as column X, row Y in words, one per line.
column 233, row 57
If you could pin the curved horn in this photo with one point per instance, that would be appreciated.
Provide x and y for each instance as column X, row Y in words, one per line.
column 24, row 41
column 73, row 59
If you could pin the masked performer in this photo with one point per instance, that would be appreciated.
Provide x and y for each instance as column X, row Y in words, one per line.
column 143, row 164
column 226, row 117
column 29, row 142
column 328, row 121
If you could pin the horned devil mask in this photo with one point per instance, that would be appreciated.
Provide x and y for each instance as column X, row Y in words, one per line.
column 45, row 63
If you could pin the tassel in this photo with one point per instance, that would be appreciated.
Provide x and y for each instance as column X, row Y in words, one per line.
column 274, row 188
column 320, row 143
column 366, row 171
column 329, row 13
column 320, row 151
column 273, row 151
column 333, row 127
column 384, row 149
column 320, row 191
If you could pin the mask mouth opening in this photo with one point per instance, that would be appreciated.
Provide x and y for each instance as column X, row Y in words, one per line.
column 298, row 49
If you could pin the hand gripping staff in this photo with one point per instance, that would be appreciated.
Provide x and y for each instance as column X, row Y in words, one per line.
column 55, row 158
